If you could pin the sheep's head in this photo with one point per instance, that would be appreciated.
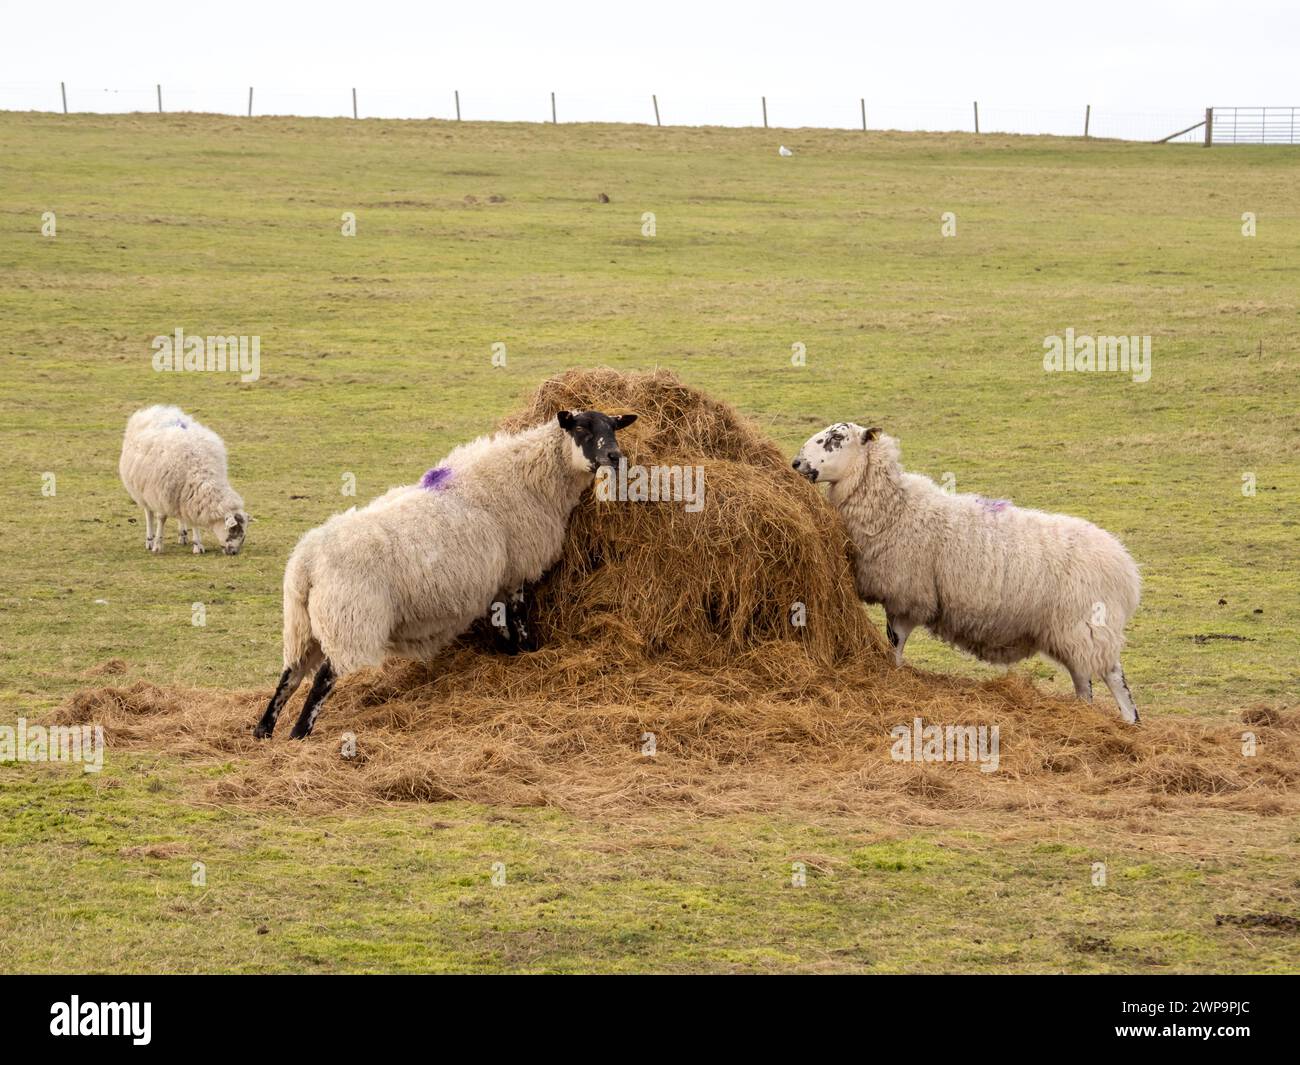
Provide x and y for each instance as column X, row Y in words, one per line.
column 591, row 439
column 829, row 455
column 230, row 532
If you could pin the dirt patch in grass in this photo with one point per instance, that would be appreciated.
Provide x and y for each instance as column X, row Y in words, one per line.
column 153, row 850
column 111, row 668
column 1084, row 944
column 1276, row 922
column 728, row 642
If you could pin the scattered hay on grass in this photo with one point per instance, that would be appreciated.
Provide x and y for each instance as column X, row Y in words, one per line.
column 675, row 631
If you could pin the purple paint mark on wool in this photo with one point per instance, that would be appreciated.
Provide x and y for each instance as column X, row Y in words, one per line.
column 436, row 479
column 994, row 506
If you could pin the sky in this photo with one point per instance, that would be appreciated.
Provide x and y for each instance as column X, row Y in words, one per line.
column 917, row 64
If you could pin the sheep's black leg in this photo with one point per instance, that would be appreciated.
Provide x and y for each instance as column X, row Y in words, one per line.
column 263, row 729
column 511, row 618
column 320, row 689
column 289, row 681
column 898, row 630
column 523, row 634
column 499, row 617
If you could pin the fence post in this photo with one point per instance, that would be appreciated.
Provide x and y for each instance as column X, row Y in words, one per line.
column 1087, row 119
column 160, row 99
column 1209, row 126
column 977, row 116
column 64, row 90
column 554, row 121
column 656, row 100
column 863, row 102
column 250, row 101
column 354, row 103
column 457, row 91
column 765, row 112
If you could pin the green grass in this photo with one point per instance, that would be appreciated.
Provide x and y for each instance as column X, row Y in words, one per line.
column 376, row 358
column 100, row 875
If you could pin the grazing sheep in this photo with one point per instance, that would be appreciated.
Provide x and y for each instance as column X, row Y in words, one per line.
column 173, row 466
column 411, row 571
column 988, row 577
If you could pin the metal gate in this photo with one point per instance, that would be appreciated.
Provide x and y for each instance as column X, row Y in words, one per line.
column 1253, row 125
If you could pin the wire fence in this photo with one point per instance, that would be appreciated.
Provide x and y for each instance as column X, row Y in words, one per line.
column 792, row 112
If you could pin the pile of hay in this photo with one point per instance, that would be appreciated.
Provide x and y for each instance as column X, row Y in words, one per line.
column 680, row 625
column 652, row 581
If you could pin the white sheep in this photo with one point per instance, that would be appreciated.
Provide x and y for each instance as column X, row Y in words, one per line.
column 412, row 570
column 174, row 467
column 990, row 578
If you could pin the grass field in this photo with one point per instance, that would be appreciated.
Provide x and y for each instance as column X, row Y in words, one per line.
column 376, row 357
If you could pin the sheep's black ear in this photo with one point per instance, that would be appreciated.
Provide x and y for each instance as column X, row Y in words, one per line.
column 871, row 434
column 622, row 421
column 565, row 418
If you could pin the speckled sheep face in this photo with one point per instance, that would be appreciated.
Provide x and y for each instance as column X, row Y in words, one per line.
column 230, row 533
column 828, row 456
column 591, row 437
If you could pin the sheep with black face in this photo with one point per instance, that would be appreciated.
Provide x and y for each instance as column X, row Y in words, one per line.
column 412, row 570
column 996, row 580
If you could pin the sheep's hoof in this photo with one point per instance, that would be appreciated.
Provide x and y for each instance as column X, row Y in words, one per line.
column 198, row 549
column 261, row 732
column 185, row 537
column 156, row 547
